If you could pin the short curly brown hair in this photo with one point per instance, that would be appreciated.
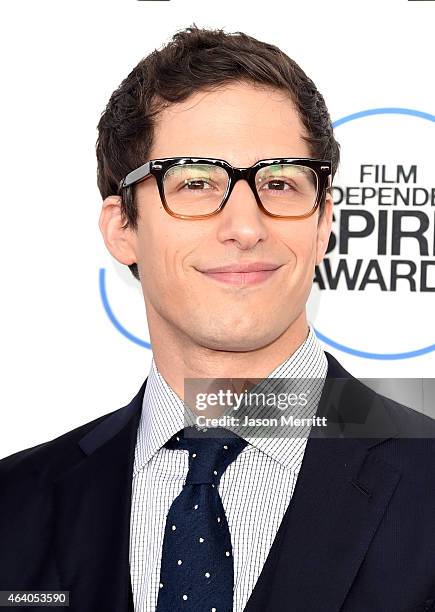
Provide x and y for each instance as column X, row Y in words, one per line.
column 197, row 59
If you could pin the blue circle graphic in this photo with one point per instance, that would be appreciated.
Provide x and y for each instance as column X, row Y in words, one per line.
column 322, row 337
column 110, row 314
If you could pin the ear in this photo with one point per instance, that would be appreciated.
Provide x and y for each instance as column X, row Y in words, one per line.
column 121, row 242
column 324, row 228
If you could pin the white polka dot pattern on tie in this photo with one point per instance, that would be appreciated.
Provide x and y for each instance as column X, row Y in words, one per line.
column 210, row 530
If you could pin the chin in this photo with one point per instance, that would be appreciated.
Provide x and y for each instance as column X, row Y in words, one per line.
column 236, row 342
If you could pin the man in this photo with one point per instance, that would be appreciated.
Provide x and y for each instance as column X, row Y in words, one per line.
column 117, row 512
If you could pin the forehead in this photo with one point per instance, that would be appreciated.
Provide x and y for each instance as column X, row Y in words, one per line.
column 239, row 122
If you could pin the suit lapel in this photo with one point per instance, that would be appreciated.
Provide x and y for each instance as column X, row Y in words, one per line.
column 92, row 509
column 339, row 500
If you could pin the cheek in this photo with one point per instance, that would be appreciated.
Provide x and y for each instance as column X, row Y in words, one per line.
column 162, row 250
column 302, row 248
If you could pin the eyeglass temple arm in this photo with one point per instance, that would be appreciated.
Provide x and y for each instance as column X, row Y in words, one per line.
column 135, row 175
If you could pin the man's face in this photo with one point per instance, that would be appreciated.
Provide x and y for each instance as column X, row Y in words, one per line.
column 241, row 124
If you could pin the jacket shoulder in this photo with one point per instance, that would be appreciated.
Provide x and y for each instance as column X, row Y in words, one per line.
column 410, row 423
column 41, row 464
column 47, row 458
column 359, row 403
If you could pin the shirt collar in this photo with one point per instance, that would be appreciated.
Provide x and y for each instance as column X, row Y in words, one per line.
column 163, row 411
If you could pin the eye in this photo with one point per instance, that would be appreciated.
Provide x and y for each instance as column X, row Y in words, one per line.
column 195, row 184
column 278, row 185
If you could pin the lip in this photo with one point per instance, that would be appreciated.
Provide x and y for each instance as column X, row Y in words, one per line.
column 254, row 266
column 247, row 274
column 241, row 278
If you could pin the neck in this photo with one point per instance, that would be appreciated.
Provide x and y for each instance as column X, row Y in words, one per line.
column 178, row 357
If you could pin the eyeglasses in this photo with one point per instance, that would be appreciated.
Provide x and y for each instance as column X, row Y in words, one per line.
column 197, row 188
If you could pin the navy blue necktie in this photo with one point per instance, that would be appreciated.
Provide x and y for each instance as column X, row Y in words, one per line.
column 197, row 570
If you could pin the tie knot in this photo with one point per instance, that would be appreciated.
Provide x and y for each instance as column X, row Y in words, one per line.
column 209, row 455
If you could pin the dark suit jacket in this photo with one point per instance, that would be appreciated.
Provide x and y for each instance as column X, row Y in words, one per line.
column 358, row 535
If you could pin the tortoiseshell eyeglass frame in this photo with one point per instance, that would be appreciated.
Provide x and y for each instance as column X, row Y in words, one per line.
column 159, row 167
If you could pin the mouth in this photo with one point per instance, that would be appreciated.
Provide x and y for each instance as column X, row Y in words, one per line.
column 241, row 278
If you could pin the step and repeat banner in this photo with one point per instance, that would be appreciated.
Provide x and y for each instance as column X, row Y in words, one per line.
column 75, row 341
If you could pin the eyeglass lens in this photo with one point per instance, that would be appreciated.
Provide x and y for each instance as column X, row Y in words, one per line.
column 199, row 189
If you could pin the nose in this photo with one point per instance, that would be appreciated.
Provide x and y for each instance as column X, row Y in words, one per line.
column 241, row 219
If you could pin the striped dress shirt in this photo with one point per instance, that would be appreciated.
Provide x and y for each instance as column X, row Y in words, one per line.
column 256, row 488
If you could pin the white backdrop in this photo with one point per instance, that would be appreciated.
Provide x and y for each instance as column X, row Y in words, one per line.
column 63, row 361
